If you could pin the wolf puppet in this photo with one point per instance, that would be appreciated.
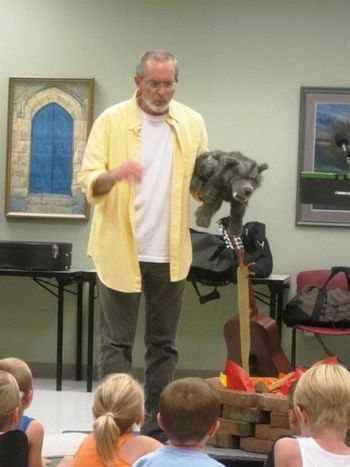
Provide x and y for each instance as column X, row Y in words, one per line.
column 224, row 176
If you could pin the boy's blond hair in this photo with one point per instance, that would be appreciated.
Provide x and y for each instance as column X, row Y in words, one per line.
column 188, row 407
column 324, row 392
column 118, row 403
column 10, row 398
column 20, row 370
column 290, row 395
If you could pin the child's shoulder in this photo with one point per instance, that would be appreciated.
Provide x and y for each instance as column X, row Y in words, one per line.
column 35, row 427
column 136, row 446
column 143, row 442
column 287, row 452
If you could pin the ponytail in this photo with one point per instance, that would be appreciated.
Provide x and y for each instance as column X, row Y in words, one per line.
column 118, row 403
column 107, row 434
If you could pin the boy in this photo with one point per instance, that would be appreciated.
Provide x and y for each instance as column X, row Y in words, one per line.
column 322, row 406
column 33, row 429
column 188, row 413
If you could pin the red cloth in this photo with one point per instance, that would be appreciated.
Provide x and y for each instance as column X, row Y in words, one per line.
column 237, row 378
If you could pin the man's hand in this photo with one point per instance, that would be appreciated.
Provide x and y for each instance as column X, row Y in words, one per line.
column 129, row 170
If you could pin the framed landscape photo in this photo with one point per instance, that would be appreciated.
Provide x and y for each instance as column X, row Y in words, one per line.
column 323, row 193
column 49, row 120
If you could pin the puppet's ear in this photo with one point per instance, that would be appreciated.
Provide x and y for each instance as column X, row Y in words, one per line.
column 262, row 167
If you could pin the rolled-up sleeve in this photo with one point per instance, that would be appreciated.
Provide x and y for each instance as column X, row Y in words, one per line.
column 95, row 160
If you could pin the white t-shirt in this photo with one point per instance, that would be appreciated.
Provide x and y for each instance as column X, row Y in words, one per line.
column 152, row 200
column 314, row 456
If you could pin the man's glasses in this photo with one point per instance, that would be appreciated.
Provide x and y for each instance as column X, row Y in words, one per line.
column 168, row 85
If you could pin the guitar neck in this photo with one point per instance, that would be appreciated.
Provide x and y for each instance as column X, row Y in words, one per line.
column 235, row 242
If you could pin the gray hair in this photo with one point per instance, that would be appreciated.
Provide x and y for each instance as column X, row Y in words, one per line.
column 159, row 56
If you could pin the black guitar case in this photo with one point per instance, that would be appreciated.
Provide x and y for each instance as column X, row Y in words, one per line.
column 35, row 256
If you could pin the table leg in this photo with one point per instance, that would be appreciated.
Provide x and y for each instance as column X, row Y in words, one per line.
column 276, row 305
column 90, row 343
column 272, row 303
column 78, row 359
column 60, row 299
column 280, row 310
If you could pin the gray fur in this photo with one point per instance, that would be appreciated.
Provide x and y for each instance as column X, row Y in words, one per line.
column 225, row 176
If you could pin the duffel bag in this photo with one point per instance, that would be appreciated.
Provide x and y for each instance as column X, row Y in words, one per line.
column 316, row 305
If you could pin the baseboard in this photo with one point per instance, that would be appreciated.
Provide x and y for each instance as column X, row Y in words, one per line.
column 48, row 370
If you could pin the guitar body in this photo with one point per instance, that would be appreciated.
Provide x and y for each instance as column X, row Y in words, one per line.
column 266, row 357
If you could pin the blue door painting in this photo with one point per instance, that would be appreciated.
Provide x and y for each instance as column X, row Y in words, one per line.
column 51, row 151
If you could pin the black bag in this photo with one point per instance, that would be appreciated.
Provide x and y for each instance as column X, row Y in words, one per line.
column 35, row 256
column 214, row 264
column 324, row 306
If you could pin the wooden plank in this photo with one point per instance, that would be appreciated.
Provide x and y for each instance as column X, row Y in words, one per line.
column 221, row 440
column 264, row 431
column 235, row 427
column 273, row 403
column 261, row 446
column 280, row 420
column 245, row 414
column 233, row 397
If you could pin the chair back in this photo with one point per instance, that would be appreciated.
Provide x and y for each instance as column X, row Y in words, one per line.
column 319, row 277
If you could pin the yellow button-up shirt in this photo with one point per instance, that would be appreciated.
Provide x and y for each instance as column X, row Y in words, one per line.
column 115, row 138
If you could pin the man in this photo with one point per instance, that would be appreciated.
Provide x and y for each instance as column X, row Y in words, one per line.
column 137, row 169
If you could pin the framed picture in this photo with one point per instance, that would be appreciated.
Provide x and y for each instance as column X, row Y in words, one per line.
column 49, row 121
column 323, row 194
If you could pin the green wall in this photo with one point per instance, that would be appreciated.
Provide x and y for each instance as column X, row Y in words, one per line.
column 242, row 63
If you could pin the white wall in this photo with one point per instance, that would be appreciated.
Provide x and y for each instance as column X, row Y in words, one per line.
column 242, row 63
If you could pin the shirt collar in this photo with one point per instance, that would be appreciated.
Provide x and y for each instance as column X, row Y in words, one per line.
column 136, row 119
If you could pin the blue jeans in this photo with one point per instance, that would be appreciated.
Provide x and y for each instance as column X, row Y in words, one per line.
column 117, row 329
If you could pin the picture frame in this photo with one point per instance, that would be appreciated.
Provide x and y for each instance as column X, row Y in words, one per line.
column 49, row 120
column 323, row 187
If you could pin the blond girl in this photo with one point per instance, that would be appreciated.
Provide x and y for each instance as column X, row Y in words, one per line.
column 118, row 405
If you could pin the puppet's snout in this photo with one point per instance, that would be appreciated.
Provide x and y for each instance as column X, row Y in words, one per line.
column 242, row 193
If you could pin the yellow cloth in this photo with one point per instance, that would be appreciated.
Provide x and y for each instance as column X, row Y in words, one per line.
column 115, row 138
column 244, row 314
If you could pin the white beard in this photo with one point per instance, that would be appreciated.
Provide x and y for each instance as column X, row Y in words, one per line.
column 159, row 109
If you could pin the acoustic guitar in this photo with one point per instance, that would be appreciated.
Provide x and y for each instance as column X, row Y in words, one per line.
column 263, row 355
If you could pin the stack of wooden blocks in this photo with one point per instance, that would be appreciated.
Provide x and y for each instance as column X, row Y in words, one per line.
column 250, row 421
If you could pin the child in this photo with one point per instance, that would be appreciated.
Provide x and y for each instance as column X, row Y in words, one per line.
column 33, row 429
column 118, row 405
column 188, row 412
column 322, row 406
column 13, row 443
